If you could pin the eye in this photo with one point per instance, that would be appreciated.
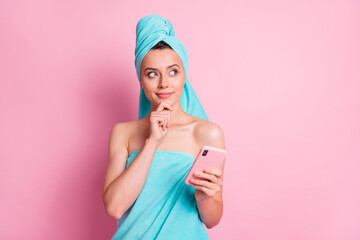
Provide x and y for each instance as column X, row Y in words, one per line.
column 149, row 74
column 175, row 71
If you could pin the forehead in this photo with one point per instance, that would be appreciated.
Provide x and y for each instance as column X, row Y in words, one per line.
column 160, row 58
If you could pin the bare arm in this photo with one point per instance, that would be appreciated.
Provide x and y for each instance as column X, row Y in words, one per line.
column 122, row 186
column 211, row 209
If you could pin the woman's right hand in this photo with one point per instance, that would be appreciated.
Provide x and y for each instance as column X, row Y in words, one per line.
column 160, row 121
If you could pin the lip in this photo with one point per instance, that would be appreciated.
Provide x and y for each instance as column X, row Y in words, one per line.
column 164, row 95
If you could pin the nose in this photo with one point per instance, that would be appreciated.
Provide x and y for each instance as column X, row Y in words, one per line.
column 163, row 82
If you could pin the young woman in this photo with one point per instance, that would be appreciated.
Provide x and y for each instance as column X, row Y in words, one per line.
column 149, row 158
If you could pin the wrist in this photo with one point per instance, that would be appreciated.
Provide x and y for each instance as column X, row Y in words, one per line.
column 153, row 142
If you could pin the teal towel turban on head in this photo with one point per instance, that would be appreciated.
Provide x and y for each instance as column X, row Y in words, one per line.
column 150, row 30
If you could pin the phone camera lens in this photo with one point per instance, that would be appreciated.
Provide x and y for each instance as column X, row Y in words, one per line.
column 204, row 152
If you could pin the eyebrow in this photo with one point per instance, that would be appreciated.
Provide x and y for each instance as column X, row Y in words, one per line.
column 149, row 68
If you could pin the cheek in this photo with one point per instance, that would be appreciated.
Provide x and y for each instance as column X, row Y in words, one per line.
column 180, row 83
column 149, row 88
column 146, row 84
column 179, row 86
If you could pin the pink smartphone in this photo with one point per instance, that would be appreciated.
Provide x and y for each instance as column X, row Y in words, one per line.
column 208, row 157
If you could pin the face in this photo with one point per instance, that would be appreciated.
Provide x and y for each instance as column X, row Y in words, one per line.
column 162, row 72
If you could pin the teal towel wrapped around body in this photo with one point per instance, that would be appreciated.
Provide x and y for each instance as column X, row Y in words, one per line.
column 165, row 208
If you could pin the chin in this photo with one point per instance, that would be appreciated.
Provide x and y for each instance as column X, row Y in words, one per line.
column 158, row 101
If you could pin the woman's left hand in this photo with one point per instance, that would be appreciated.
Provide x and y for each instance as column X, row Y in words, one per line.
column 209, row 186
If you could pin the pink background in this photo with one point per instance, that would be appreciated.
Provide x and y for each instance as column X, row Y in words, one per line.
column 280, row 77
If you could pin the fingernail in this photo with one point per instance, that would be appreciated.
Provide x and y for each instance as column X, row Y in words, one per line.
column 196, row 173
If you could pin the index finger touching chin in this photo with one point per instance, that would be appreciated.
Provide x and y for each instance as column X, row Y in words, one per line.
column 164, row 105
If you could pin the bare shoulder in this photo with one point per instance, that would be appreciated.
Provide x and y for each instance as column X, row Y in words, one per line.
column 209, row 133
column 118, row 140
column 126, row 127
column 123, row 132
